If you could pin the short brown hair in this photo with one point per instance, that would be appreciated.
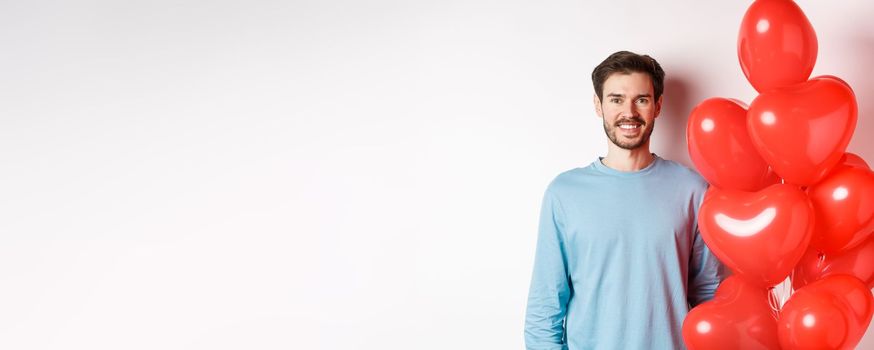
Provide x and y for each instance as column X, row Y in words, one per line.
column 625, row 62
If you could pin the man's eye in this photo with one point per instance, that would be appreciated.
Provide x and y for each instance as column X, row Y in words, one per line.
column 642, row 100
column 614, row 100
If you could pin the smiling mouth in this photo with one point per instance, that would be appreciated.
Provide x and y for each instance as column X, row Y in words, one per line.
column 630, row 123
column 629, row 126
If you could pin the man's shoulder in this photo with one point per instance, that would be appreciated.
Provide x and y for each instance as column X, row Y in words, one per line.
column 570, row 176
column 681, row 173
column 572, row 181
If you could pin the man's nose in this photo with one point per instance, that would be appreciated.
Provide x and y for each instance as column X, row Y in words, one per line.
column 629, row 110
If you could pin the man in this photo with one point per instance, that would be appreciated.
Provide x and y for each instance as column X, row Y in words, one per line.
column 619, row 259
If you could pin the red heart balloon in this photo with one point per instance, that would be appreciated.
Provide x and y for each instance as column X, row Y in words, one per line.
column 857, row 262
column 832, row 313
column 721, row 148
column 803, row 130
column 776, row 45
column 759, row 235
column 844, row 204
column 738, row 317
column 853, row 160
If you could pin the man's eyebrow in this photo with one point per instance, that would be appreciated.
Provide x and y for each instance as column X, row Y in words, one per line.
column 614, row 94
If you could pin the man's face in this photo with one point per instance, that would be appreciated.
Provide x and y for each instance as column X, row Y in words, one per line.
column 628, row 109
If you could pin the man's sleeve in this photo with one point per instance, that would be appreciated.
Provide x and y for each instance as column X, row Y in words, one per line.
column 705, row 272
column 550, row 289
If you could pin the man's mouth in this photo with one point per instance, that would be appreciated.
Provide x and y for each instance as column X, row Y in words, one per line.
column 630, row 123
column 629, row 126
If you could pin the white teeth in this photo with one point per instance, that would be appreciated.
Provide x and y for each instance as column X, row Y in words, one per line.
column 628, row 126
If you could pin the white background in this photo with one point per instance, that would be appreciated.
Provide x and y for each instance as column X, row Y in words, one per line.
column 322, row 174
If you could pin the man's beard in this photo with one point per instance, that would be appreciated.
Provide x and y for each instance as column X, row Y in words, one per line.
column 611, row 131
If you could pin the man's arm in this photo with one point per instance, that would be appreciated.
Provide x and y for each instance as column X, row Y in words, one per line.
column 550, row 290
column 705, row 272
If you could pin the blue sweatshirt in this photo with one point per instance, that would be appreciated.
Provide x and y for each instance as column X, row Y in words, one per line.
column 619, row 259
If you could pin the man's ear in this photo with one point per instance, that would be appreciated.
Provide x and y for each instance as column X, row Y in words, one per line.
column 597, row 102
column 658, row 106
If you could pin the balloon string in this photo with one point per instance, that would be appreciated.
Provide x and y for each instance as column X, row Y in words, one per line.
column 786, row 291
column 773, row 302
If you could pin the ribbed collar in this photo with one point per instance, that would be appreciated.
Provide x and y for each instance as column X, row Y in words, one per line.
column 599, row 166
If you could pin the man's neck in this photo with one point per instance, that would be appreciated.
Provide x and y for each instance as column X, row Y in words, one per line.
column 628, row 160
